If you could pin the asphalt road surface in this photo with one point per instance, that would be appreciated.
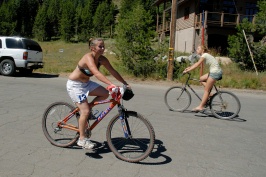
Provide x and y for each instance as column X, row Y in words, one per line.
column 187, row 144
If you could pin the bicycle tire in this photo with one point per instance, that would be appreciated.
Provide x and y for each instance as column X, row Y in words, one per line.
column 225, row 105
column 177, row 98
column 57, row 136
column 135, row 148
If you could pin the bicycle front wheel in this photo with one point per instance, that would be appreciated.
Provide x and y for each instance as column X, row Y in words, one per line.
column 225, row 105
column 56, row 134
column 177, row 98
column 138, row 144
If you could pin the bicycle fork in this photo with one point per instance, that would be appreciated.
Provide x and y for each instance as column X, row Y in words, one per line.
column 124, row 122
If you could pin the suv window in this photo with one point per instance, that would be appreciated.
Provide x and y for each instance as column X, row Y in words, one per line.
column 0, row 43
column 14, row 43
column 32, row 45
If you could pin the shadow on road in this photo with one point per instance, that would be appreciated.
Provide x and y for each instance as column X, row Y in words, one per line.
column 36, row 75
column 209, row 114
column 155, row 158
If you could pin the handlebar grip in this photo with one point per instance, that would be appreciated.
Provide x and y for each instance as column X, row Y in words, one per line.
column 186, row 73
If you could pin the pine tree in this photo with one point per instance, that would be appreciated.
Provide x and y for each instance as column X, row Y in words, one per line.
column 133, row 40
column 86, row 28
column 53, row 18
column 8, row 20
column 26, row 13
column 40, row 24
column 67, row 21
column 109, row 20
column 99, row 18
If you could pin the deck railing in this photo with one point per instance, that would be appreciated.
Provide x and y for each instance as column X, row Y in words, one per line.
column 212, row 19
column 164, row 28
column 221, row 19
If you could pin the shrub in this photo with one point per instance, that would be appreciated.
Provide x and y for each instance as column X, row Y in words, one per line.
column 133, row 41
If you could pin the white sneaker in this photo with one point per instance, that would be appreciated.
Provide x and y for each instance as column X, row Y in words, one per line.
column 86, row 143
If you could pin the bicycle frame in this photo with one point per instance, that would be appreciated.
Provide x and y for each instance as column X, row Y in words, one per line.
column 113, row 103
column 222, row 104
column 188, row 85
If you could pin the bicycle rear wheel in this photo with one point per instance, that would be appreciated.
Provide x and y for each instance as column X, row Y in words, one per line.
column 225, row 105
column 56, row 135
column 140, row 142
column 177, row 98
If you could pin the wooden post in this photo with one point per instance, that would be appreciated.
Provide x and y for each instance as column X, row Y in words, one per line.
column 254, row 18
column 157, row 21
column 204, row 15
column 238, row 19
column 172, row 41
column 163, row 21
column 200, row 19
column 222, row 19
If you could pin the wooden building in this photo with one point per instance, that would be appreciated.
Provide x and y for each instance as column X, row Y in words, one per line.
column 203, row 21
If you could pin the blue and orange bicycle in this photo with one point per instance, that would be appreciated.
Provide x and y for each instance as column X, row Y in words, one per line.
column 129, row 135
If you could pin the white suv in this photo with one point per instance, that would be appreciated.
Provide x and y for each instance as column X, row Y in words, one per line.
column 18, row 53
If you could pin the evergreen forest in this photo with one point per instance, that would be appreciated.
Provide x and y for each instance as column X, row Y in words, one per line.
column 69, row 20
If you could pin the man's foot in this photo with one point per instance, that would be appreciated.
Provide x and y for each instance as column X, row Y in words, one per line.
column 85, row 143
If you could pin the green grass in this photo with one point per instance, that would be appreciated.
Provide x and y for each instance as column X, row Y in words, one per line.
column 62, row 58
column 233, row 77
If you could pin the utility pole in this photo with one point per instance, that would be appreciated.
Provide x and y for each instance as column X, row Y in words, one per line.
column 202, row 38
column 172, row 41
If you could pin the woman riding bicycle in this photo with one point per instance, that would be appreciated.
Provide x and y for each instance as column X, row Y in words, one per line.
column 208, row 79
column 79, row 85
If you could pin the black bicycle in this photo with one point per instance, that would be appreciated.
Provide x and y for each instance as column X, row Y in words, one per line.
column 223, row 104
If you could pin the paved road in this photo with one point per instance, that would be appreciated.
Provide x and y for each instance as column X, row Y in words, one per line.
column 187, row 144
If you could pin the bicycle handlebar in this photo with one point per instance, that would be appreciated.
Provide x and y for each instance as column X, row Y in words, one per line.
column 120, row 92
column 182, row 74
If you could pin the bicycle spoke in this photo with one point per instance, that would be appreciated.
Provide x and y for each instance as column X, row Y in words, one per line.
column 59, row 136
column 177, row 99
column 138, row 145
column 225, row 105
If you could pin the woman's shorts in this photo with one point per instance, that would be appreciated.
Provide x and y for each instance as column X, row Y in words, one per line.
column 216, row 76
column 79, row 91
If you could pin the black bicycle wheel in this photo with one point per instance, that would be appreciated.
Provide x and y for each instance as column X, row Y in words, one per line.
column 56, row 135
column 177, row 98
column 225, row 105
column 138, row 145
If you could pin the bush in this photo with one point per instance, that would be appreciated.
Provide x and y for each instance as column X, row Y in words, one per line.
column 133, row 41
column 238, row 49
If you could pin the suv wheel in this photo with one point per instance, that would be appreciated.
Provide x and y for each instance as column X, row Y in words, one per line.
column 7, row 67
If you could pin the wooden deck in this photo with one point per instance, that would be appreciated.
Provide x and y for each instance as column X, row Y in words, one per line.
column 210, row 19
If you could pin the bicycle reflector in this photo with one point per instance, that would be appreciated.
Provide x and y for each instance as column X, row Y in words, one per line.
column 128, row 94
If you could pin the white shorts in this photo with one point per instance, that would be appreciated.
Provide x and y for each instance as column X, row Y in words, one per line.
column 79, row 91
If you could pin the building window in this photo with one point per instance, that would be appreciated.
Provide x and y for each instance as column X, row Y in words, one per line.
column 251, row 9
column 229, row 6
column 186, row 13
